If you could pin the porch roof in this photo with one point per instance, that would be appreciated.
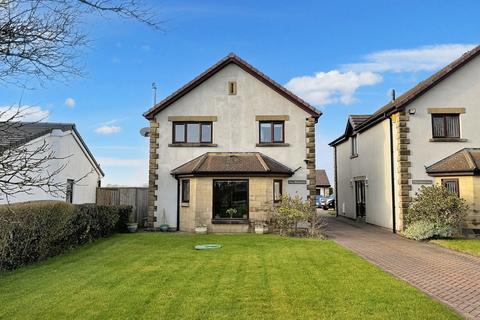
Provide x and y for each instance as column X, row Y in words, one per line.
column 463, row 162
column 234, row 164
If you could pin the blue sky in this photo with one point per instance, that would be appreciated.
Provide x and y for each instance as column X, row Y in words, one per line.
column 342, row 56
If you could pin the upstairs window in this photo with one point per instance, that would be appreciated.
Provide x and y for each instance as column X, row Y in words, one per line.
column 272, row 132
column 446, row 125
column 192, row 132
column 451, row 185
column 354, row 146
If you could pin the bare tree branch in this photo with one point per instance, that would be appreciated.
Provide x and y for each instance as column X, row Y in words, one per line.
column 27, row 166
column 42, row 39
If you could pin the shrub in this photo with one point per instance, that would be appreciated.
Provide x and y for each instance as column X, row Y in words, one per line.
column 125, row 215
column 291, row 211
column 34, row 231
column 436, row 208
column 423, row 230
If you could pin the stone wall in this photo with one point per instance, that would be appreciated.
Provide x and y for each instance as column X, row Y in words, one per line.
column 152, row 174
column 403, row 165
column 469, row 187
column 310, row 157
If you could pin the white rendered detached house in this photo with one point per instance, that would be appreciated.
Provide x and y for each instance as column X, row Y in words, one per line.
column 225, row 145
column 78, row 171
column 429, row 135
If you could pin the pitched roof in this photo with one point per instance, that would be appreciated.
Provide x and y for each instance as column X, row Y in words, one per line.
column 354, row 121
column 463, row 162
column 232, row 163
column 14, row 134
column 231, row 58
column 322, row 178
column 415, row 92
column 357, row 120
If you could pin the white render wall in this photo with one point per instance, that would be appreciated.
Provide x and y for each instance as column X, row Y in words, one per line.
column 373, row 163
column 460, row 90
column 235, row 131
column 66, row 144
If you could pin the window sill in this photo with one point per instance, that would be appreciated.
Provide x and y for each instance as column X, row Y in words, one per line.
column 275, row 144
column 448, row 140
column 354, row 156
column 192, row 145
column 185, row 204
column 230, row 221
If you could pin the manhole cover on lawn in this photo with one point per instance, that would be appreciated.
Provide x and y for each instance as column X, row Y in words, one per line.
column 207, row 246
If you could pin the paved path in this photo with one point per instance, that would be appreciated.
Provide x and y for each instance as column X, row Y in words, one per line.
column 451, row 277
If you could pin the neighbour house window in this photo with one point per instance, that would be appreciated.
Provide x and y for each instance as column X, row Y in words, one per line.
column 69, row 192
column 354, row 146
column 192, row 132
column 186, row 190
column 446, row 125
column 277, row 190
column 230, row 199
column 451, row 185
column 272, row 132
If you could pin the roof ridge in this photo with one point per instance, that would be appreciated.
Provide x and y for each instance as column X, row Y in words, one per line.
column 232, row 58
column 429, row 81
column 200, row 162
column 262, row 162
column 469, row 159
column 413, row 93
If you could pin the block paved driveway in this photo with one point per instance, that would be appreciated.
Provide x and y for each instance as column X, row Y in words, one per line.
column 451, row 277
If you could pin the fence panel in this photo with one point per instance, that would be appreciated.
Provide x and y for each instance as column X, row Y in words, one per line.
column 135, row 197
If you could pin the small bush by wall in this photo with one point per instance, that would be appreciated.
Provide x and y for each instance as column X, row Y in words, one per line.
column 35, row 231
column 286, row 216
column 434, row 213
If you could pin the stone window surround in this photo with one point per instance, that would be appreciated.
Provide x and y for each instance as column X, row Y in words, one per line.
column 447, row 111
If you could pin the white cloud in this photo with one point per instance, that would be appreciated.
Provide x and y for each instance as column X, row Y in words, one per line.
column 108, row 129
column 23, row 113
column 425, row 58
column 70, row 102
column 331, row 87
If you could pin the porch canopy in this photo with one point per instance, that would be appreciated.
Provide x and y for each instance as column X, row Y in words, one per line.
column 253, row 164
column 465, row 162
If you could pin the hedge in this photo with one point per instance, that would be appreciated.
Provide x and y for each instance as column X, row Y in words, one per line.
column 34, row 231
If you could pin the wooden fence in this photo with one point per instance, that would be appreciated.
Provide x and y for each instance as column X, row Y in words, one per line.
column 135, row 197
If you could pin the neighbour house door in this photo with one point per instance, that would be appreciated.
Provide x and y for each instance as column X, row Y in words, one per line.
column 360, row 198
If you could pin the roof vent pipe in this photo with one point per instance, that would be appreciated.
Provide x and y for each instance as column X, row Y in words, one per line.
column 393, row 94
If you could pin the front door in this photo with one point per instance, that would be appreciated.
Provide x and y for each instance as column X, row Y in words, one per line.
column 360, row 198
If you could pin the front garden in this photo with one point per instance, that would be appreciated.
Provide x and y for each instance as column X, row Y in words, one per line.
column 161, row 276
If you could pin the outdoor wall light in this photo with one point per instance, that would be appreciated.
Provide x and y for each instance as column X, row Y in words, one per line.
column 412, row 111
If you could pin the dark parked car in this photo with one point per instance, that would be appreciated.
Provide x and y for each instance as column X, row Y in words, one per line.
column 328, row 203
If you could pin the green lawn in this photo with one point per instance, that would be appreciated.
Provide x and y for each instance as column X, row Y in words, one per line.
column 470, row 246
column 160, row 276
